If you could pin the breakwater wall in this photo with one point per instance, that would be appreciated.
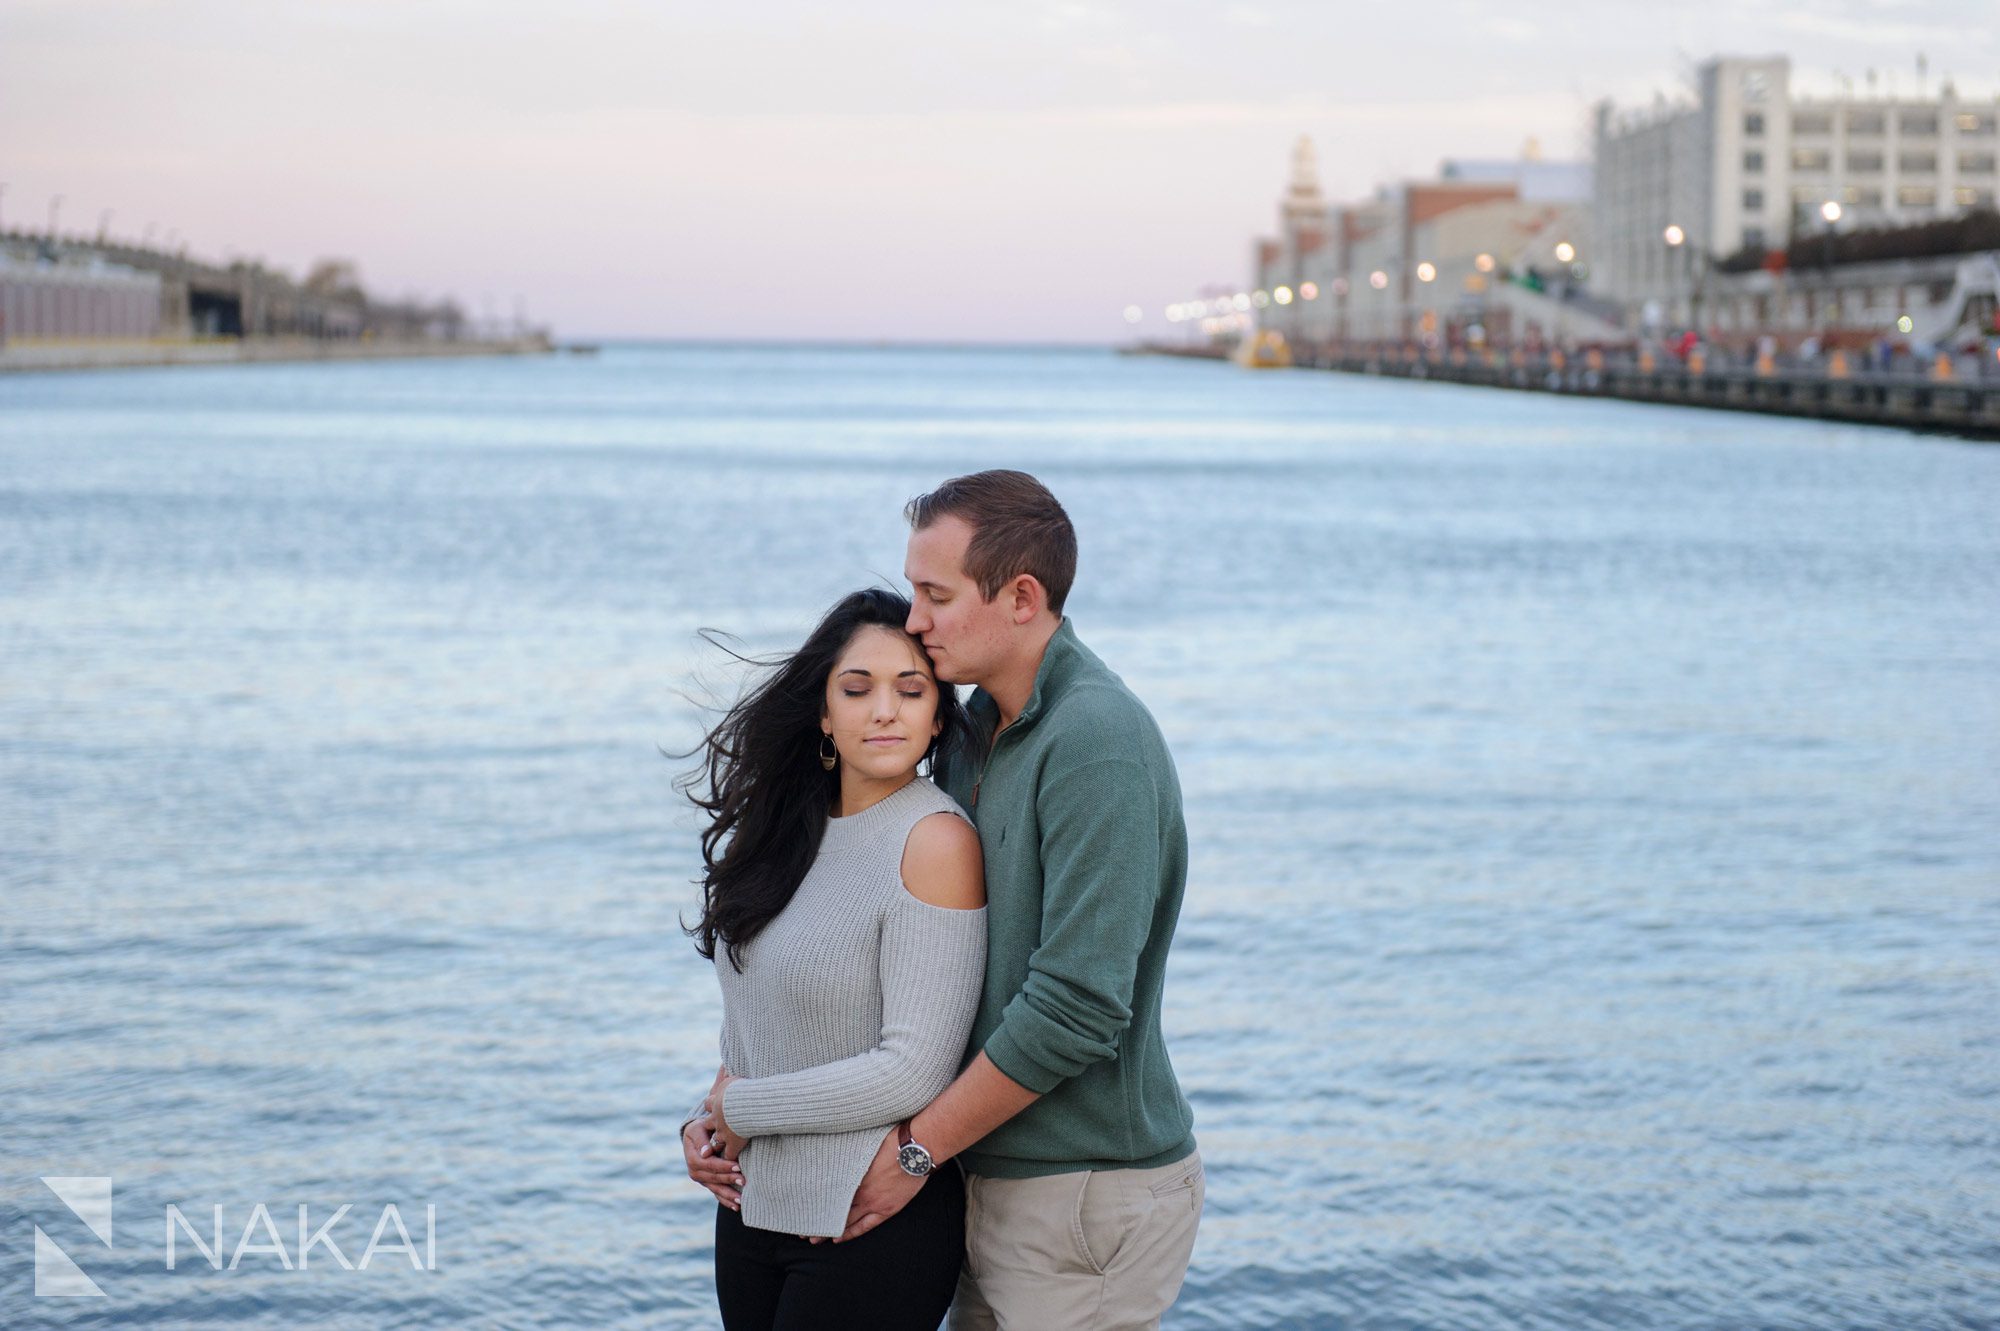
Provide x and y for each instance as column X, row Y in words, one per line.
column 1967, row 406
column 107, row 354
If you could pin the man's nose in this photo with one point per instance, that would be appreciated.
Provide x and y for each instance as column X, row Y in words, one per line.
column 918, row 622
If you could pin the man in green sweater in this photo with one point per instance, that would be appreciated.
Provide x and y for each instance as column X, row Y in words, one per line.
column 1084, row 1185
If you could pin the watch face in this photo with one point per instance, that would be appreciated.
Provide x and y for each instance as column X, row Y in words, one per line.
column 914, row 1159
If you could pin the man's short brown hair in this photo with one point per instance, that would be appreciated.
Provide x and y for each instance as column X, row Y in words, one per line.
column 1017, row 527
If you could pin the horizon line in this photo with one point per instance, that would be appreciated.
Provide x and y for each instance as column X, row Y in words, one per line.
column 837, row 343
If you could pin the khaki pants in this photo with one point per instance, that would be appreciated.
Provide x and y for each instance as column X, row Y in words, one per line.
column 1102, row 1251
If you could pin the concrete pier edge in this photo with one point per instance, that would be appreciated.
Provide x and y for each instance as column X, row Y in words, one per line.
column 34, row 357
column 1969, row 408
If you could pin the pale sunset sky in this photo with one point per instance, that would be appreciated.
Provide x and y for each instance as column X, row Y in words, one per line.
column 921, row 171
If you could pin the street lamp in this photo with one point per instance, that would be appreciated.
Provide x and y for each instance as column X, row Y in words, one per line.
column 1427, row 320
column 1830, row 213
column 1675, row 238
column 1565, row 252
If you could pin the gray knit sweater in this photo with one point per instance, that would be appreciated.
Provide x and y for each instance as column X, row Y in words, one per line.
column 851, row 1014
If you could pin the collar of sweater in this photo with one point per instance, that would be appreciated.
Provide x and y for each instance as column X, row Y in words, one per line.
column 1063, row 661
column 856, row 829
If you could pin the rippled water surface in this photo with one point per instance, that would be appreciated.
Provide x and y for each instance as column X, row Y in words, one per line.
column 1595, row 909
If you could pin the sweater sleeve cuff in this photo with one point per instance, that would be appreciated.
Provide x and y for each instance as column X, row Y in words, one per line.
column 749, row 1113
column 1007, row 1054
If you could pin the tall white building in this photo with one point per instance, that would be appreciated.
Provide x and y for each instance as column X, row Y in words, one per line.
column 1746, row 163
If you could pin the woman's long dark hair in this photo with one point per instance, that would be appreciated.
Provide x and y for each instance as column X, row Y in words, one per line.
column 761, row 783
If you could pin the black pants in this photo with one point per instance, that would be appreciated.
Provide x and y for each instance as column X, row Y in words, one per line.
column 898, row 1276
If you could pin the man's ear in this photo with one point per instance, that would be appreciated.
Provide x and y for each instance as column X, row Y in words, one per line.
column 1028, row 597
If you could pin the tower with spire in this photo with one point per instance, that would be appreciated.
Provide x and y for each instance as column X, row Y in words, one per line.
column 1303, row 205
column 1291, row 260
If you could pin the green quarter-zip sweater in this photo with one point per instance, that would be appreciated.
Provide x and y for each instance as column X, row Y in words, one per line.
column 1079, row 816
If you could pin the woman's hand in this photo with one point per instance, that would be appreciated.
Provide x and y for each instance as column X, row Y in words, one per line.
column 708, row 1166
column 709, row 1161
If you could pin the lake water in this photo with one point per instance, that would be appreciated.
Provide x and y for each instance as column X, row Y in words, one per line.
column 1595, row 908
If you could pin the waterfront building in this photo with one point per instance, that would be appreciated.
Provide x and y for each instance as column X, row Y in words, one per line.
column 1535, row 179
column 1933, row 303
column 43, row 297
column 1706, row 215
column 1421, row 254
column 59, row 288
column 1744, row 163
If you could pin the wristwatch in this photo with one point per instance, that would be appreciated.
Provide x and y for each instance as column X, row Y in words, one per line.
column 914, row 1159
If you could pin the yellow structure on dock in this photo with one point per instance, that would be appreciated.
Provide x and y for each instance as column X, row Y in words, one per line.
column 1266, row 350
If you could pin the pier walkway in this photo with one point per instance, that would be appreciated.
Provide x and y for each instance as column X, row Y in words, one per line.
column 1967, row 406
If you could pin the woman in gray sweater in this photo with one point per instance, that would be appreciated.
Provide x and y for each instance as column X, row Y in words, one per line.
column 843, row 907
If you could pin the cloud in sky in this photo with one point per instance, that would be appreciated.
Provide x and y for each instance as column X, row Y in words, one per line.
column 892, row 170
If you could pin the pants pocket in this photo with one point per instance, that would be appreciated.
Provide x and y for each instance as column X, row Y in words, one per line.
column 1186, row 1183
column 1102, row 1221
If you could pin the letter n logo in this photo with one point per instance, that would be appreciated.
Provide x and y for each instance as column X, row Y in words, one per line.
column 56, row 1276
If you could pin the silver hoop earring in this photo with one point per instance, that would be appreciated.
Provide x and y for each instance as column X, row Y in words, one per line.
column 828, row 755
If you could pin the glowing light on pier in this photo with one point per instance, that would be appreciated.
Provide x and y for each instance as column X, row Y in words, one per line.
column 1427, row 272
column 1674, row 235
column 1484, row 263
column 1308, row 290
column 1133, row 314
column 1378, row 279
column 1565, row 252
column 1830, row 210
column 1283, row 295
